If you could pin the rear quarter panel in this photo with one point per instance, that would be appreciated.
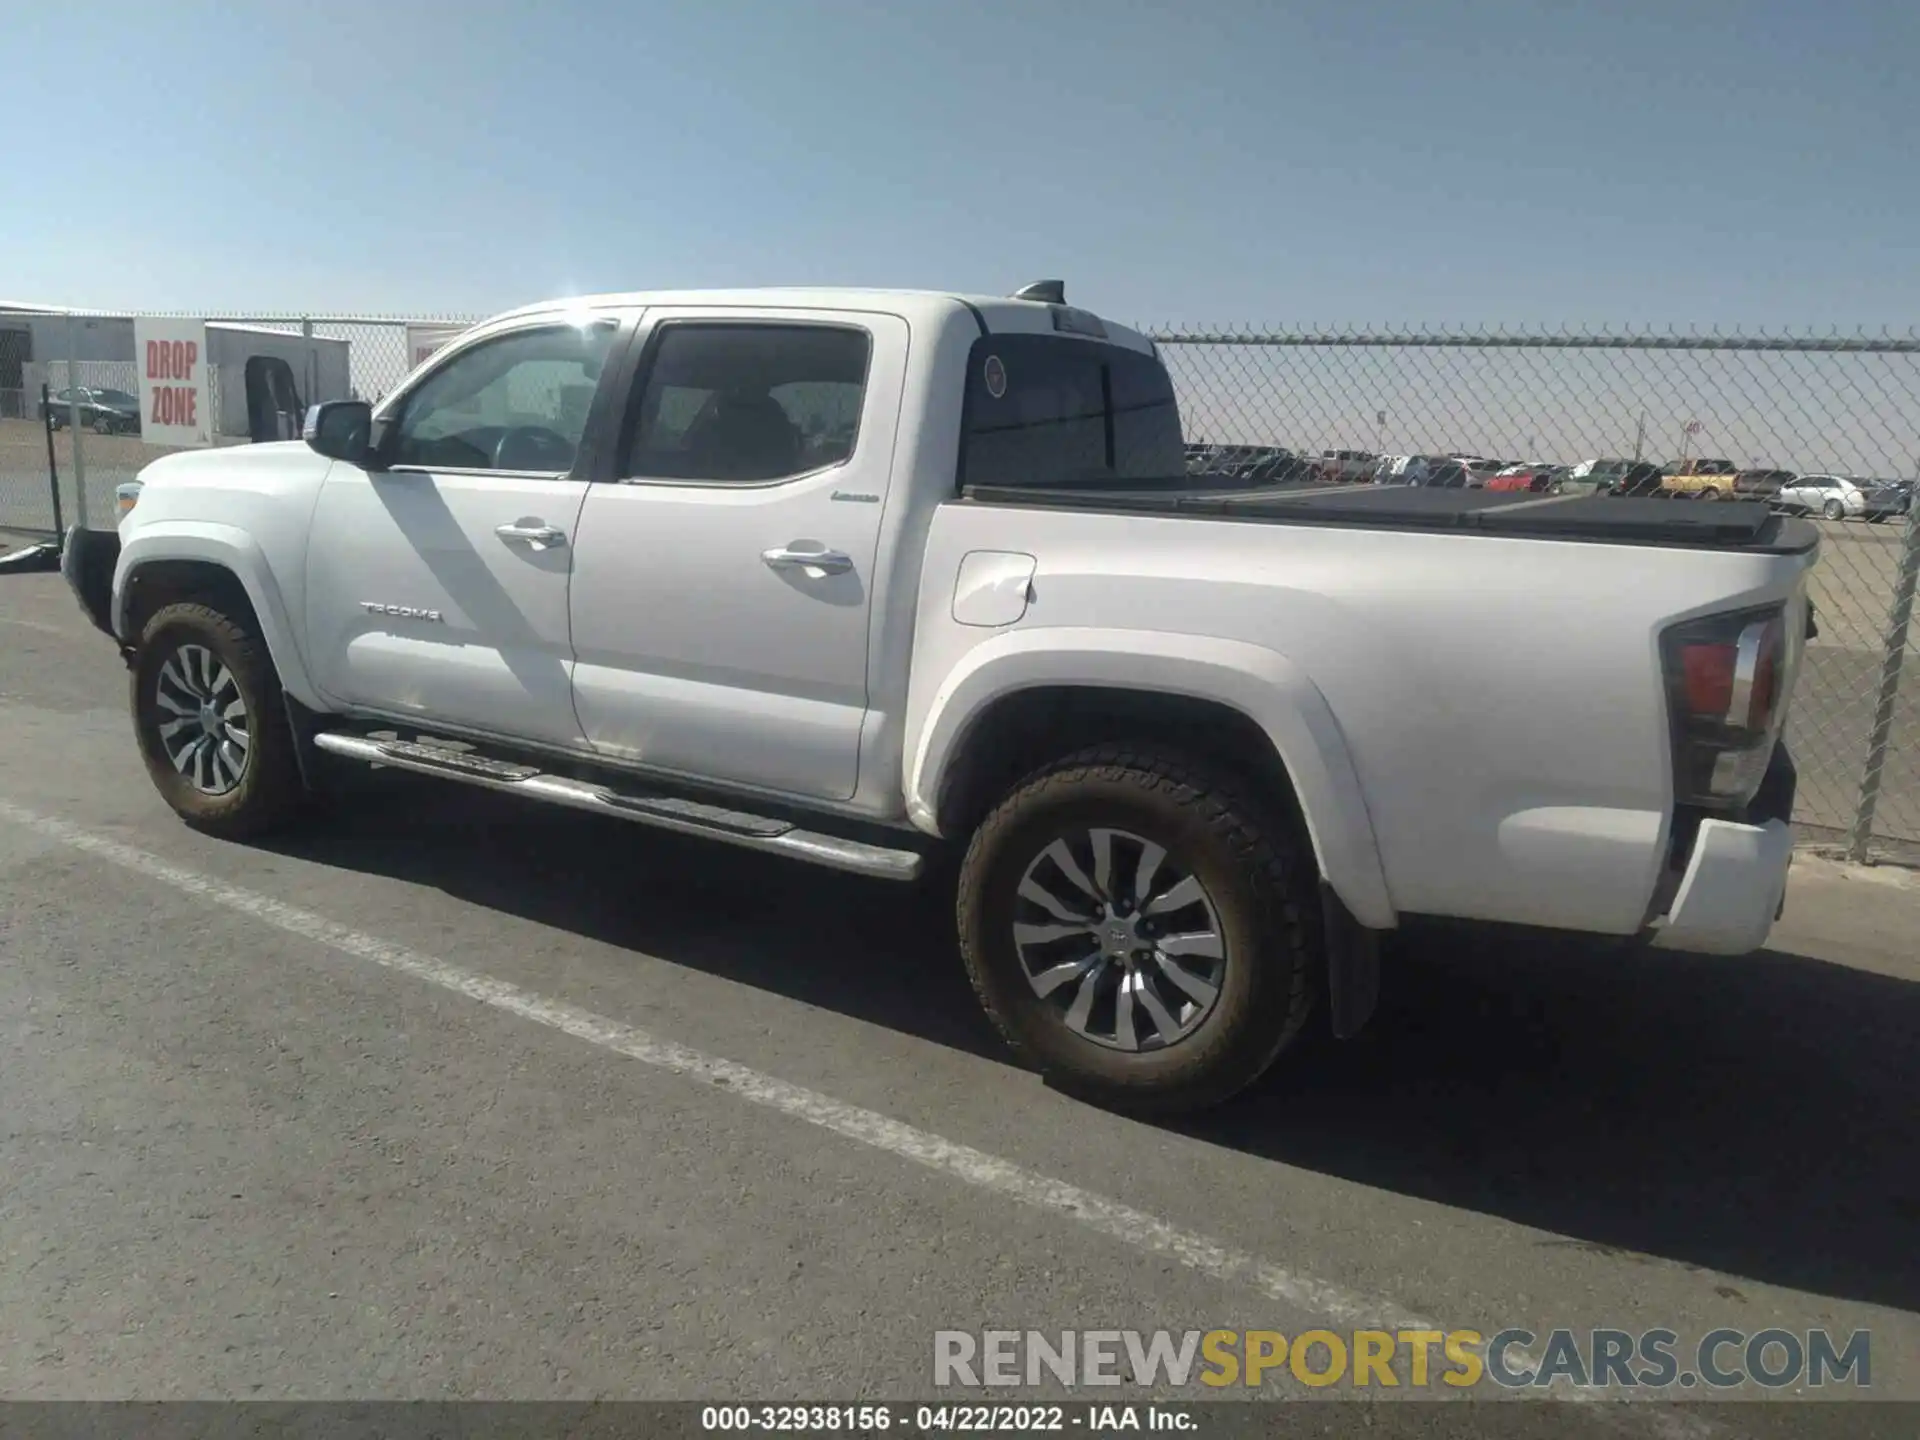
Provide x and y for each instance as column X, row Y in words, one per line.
column 1500, row 699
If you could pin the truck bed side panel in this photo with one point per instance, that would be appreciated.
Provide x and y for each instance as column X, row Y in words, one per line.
column 1500, row 697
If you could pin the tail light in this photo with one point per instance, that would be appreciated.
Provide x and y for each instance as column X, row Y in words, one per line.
column 1728, row 677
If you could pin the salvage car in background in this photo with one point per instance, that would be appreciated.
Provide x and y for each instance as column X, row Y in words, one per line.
column 1591, row 477
column 1345, row 467
column 106, row 412
column 1846, row 497
column 1702, row 478
column 1598, row 473
column 1642, row 480
column 1535, row 476
column 1438, row 472
column 1761, row 483
column 1252, row 464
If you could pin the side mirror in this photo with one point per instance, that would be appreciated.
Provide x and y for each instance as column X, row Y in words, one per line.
column 340, row 430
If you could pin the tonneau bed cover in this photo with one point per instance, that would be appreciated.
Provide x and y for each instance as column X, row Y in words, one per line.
column 1601, row 519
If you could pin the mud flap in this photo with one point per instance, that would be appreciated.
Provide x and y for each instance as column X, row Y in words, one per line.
column 1353, row 966
column 304, row 725
column 88, row 561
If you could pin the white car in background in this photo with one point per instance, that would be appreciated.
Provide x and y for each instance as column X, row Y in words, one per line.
column 1346, row 467
column 1441, row 472
column 1844, row 497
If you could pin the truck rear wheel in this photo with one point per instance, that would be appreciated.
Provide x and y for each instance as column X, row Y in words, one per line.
column 211, row 724
column 1140, row 928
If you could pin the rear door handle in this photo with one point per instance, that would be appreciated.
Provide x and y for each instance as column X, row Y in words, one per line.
column 826, row 562
column 539, row 536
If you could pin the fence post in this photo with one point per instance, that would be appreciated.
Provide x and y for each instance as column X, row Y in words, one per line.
column 1892, row 657
column 311, row 375
column 74, row 427
column 53, row 463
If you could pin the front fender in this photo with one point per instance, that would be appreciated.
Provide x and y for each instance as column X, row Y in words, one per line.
column 237, row 552
column 1267, row 687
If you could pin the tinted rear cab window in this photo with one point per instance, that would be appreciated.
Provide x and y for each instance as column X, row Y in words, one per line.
column 1060, row 412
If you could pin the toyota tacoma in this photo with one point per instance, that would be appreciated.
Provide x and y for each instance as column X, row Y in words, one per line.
column 862, row 578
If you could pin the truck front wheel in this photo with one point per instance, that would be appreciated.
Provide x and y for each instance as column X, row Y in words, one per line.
column 211, row 723
column 1140, row 927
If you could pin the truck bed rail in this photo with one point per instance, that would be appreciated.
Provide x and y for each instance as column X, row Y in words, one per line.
column 1606, row 520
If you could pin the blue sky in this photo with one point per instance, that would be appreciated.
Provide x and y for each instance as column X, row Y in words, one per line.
column 1211, row 161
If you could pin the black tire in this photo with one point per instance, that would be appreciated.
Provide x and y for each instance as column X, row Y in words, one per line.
column 268, row 792
column 1834, row 510
column 102, row 425
column 1261, row 885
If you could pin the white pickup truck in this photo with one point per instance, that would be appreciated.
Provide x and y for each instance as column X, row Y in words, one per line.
column 857, row 577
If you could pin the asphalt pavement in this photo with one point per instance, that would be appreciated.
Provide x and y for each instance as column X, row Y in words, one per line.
column 451, row 1097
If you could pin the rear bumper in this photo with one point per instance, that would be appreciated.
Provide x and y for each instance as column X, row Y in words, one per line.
column 1734, row 885
column 87, row 560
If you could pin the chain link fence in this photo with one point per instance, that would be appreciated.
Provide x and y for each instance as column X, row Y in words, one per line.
column 333, row 358
column 1846, row 407
column 1839, row 414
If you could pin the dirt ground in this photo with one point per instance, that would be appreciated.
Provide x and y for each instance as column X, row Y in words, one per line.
column 25, row 499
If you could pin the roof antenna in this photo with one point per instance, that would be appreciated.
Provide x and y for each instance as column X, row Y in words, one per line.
column 1050, row 292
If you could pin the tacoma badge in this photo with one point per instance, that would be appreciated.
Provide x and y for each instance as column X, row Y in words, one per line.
column 403, row 612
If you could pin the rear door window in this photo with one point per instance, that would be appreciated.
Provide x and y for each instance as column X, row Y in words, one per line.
column 1059, row 412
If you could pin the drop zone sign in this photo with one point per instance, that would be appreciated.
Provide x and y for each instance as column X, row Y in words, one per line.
column 423, row 340
column 175, row 407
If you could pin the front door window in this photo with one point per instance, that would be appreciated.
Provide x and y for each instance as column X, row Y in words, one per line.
column 518, row 402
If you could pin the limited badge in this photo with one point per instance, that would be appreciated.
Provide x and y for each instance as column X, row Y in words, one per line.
column 996, row 377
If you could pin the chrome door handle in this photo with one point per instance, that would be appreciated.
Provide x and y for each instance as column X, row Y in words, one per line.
column 827, row 562
column 540, row 537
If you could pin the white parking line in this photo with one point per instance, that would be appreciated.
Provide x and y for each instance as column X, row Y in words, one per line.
column 1110, row 1218
column 72, row 633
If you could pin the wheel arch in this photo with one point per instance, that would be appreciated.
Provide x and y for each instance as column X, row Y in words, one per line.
column 165, row 564
column 1026, row 697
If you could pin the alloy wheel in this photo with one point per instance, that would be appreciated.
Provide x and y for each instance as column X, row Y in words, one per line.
column 1120, row 938
column 202, row 720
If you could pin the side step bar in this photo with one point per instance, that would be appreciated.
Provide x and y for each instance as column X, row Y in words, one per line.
column 666, row 812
